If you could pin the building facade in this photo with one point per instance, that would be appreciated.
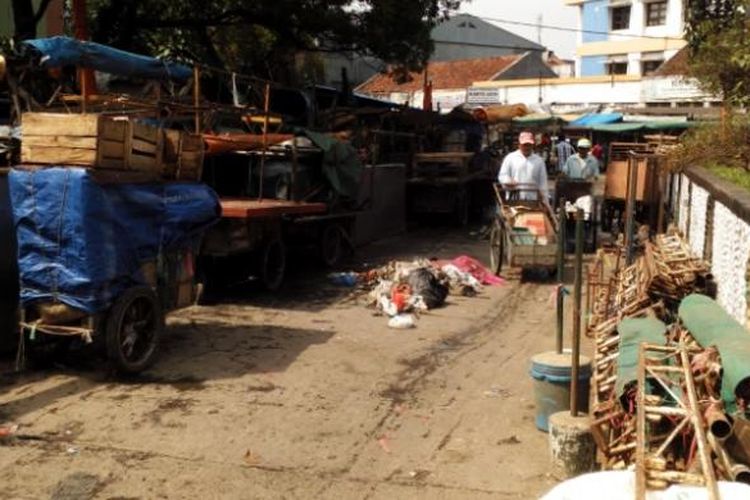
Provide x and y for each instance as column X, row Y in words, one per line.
column 627, row 37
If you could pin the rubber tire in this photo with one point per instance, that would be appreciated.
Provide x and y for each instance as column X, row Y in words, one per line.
column 272, row 279
column 114, row 326
column 497, row 249
column 331, row 245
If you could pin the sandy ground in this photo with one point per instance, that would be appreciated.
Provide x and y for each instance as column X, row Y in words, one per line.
column 305, row 394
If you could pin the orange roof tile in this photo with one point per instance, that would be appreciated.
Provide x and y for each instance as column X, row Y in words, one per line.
column 444, row 75
column 677, row 65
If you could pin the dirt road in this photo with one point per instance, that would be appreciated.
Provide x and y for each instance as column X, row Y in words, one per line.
column 303, row 395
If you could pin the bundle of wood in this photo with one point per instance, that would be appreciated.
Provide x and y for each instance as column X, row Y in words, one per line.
column 674, row 271
column 110, row 142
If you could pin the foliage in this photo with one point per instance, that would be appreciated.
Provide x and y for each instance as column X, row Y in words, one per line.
column 736, row 176
column 265, row 37
column 726, row 145
column 719, row 39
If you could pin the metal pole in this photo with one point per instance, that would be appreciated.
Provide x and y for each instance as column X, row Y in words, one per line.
column 562, row 220
column 577, row 315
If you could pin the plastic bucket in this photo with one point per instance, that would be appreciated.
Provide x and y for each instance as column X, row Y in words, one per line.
column 552, row 374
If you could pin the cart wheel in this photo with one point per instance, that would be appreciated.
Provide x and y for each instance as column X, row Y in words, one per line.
column 331, row 244
column 134, row 326
column 497, row 248
column 273, row 264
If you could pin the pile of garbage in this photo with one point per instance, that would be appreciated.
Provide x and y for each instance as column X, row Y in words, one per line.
column 403, row 289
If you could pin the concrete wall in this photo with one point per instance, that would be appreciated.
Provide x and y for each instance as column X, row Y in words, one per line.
column 715, row 217
column 598, row 42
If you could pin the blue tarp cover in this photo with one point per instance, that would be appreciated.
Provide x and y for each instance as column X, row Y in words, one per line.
column 63, row 51
column 83, row 243
column 595, row 119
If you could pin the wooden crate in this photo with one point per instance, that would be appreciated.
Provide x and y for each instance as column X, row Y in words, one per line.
column 60, row 139
column 130, row 145
column 92, row 140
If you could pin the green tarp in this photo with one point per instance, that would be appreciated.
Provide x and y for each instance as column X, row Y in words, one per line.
column 711, row 325
column 341, row 165
column 634, row 331
column 640, row 126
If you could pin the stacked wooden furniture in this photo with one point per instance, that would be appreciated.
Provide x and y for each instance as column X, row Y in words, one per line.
column 110, row 143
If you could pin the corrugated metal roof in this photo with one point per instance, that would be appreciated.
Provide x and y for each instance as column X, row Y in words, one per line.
column 444, row 75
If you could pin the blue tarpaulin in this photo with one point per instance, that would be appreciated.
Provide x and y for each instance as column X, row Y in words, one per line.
column 60, row 51
column 83, row 243
column 595, row 119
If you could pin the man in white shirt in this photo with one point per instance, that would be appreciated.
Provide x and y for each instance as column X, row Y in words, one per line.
column 582, row 166
column 523, row 166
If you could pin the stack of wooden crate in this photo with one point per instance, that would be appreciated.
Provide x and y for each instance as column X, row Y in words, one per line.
column 110, row 142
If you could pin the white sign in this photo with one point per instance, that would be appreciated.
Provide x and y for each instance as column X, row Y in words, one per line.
column 479, row 95
column 671, row 89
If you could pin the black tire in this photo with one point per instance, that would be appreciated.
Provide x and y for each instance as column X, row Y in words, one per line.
column 134, row 328
column 497, row 248
column 331, row 245
column 272, row 265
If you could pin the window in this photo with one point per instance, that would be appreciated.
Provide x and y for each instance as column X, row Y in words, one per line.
column 617, row 68
column 621, row 18
column 649, row 67
column 656, row 13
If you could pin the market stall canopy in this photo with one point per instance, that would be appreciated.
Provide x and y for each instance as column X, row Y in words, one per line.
column 61, row 51
column 637, row 127
column 537, row 120
column 587, row 121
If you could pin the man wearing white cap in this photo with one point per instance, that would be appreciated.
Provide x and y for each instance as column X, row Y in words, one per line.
column 523, row 166
column 584, row 165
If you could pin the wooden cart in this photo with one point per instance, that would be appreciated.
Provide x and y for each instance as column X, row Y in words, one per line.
column 129, row 330
column 621, row 158
column 439, row 183
column 524, row 233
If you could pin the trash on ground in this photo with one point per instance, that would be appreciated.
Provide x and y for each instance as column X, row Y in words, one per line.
column 401, row 287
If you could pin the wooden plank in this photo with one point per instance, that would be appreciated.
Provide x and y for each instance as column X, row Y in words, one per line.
column 145, row 132
column 61, row 141
column 81, row 125
column 142, row 146
column 58, row 156
column 234, row 208
column 115, row 130
column 143, row 162
column 111, row 149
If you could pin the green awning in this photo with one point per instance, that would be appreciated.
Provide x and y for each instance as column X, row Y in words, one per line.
column 536, row 120
column 616, row 128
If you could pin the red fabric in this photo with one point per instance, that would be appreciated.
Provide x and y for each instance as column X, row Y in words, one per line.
column 475, row 268
column 597, row 151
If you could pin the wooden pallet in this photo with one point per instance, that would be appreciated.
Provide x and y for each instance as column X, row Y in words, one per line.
column 183, row 156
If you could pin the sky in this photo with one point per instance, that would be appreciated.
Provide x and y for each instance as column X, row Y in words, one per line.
column 553, row 12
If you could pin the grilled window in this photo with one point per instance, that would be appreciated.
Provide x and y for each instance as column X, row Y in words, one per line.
column 649, row 67
column 621, row 17
column 656, row 13
column 617, row 68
